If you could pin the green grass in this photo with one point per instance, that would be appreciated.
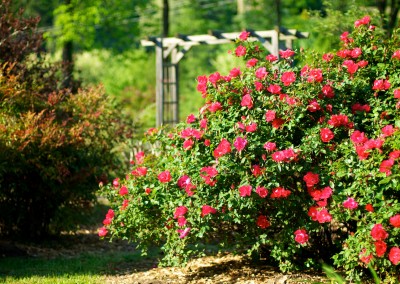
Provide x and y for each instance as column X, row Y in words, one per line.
column 85, row 268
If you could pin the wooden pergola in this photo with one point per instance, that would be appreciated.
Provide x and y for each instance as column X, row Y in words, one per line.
column 170, row 50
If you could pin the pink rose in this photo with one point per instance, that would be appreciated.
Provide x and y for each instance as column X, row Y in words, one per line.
column 301, row 236
column 326, row 135
column 270, row 146
column 103, row 232
column 261, row 191
column 350, row 203
column 164, row 177
column 378, row 233
column 394, row 255
column 395, row 221
column 245, row 190
column 180, row 211
column 247, row 101
column 240, row 51
column 207, row 209
column 240, row 143
column 123, row 190
column 224, row 147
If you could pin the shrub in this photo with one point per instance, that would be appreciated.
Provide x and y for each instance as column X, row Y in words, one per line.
column 299, row 161
column 55, row 146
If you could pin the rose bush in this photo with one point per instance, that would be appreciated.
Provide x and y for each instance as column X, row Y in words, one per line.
column 301, row 162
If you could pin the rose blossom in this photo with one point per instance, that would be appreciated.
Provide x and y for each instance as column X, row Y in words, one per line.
column 180, row 211
column 261, row 73
column 380, row 248
column 240, row 143
column 327, row 90
column 270, row 115
column 311, row 179
column 251, row 63
column 326, row 135
column 262, row 191
column 394, row 255
column 183, row 233
column 207, row 209
column 103, row 232
column 240, row 51
column 280, row 192
column 395, row 221
column 244, row 35
column 288, row 78
column 123, row 190
column 350, row 203
column 247, row 101
column 263, row 222
column 286, row 53
column 269, row 146
column 378, row 233
column 164, row 177
column 245, row 190
column 369, row 208
column 301, row 236
column 224, row 147
column 365, row 258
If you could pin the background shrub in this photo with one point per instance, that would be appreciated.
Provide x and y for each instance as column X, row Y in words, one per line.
column 55, row 145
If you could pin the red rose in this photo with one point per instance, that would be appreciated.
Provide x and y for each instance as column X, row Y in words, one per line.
column 224, row 147
column 378, row 233
column 270, row 146
column 180, row 211
column 123, row 190
column 350, row 203
column 261, row 73
column 326, row 135
column 164, row 177
column 240, row 143
column 188, row 144
column 247, row 101
column 280, row 192
column 240, row 50
column 311, row 179
column 274, row 89
column 395, row 221
column 286, row 53
column 394, row 255
column 207, row 209
column 245, row 190
column 380, row 248
column 288, row 78
column 263, row 222
column 369, row 208
column 262, row 191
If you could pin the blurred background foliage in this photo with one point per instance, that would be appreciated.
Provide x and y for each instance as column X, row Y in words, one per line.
column 106, row 37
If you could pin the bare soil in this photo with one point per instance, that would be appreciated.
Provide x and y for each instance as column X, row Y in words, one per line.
column 222, row 268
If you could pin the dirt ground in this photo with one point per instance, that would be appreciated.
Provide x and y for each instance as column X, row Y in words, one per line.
column 226, row 268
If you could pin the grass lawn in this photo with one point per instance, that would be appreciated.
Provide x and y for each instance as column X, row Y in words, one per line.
column 85, row 268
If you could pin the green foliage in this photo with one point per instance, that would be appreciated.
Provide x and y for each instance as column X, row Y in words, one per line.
column 299, row 161
column 134, row 90
column 97, row 24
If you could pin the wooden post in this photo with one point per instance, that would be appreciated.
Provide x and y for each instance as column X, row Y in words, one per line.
column 159, row 82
